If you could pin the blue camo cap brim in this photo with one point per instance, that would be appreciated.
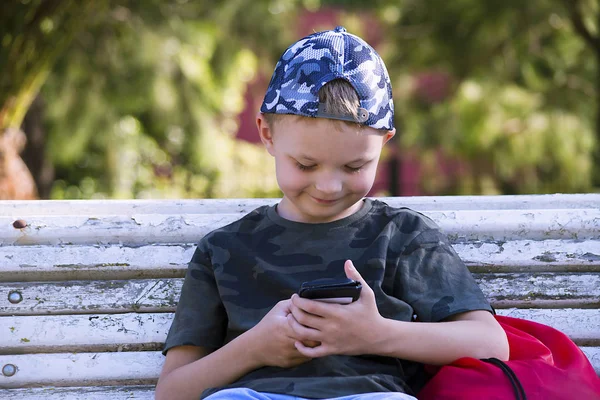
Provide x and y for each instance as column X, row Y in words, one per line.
column 319, row 58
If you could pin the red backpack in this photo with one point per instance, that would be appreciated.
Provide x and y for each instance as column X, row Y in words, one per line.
column 544, row 364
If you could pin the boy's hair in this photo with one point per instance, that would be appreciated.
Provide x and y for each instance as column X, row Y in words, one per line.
column 336, row 97
column 300, row 83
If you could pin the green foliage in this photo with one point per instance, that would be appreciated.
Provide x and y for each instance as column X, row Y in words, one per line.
column 527, row 147
column 144, row 101
column 530, row 128
column 33, row 33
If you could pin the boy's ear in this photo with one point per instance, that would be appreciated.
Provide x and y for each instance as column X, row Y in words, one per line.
column 265, row 132
column 389, row 135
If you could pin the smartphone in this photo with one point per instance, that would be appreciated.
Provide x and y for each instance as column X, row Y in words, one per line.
column 330, row 290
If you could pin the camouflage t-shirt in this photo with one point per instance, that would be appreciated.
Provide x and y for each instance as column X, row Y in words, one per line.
column 239, row 272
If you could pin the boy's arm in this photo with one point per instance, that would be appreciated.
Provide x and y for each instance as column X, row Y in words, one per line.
column 190, row 370
column 358, row 328
column 471, row 334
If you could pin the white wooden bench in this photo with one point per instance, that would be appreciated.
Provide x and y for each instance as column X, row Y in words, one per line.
column 88, row 288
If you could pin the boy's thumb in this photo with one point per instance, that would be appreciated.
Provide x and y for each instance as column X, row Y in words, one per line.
column 352, row 273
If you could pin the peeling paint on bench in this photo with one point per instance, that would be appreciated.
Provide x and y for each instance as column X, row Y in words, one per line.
column 76, row 393
column 544, row 290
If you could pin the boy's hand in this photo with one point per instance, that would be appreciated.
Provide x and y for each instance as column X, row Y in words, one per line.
column 275, row 339
column 340, row 329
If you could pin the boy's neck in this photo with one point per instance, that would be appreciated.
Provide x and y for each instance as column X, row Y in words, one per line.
column 287, row 210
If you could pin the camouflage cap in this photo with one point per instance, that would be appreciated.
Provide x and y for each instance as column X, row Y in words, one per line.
column 319, row 58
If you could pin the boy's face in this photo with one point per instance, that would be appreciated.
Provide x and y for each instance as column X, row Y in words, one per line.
column 324, row 168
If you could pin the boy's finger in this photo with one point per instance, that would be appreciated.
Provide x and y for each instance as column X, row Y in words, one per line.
column 352, row 273
column 311, row 343
column 283, row 306
column 311, row 352
column 314, row 307
column 302, row 332
column 306, row 319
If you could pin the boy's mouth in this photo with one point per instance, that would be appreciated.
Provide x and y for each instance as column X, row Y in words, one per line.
column 324, row 201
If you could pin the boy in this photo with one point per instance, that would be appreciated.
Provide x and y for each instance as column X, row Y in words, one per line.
column 241, row 332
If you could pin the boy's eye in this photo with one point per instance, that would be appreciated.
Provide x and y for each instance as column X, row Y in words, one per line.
column 354, row 169
column 303, row 167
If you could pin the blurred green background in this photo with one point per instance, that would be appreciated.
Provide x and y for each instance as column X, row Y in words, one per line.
column 157, row 98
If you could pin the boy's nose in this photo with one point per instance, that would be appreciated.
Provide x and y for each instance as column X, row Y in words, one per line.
column 329, row 185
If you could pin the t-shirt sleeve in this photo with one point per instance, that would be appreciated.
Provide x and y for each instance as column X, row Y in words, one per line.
column 435, row 281
column 200, row 319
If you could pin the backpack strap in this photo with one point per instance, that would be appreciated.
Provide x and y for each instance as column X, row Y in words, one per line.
column 512, row 377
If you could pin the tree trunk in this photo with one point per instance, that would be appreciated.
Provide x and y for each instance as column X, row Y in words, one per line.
column 35, row 155
column 16, row 182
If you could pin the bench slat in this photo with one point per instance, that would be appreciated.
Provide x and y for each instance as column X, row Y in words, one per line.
column 133, row 331
column 88, row 369
column 84, row 297
column 542, row 290
column 240, row 206
column 83, row 369
column 78, row 393
column 23, row 263
column 531, row 256
column 134, row 230
column 142, row 229
column 84, row 333
column 39, row 263
column 505, row 290
column 19, row 208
